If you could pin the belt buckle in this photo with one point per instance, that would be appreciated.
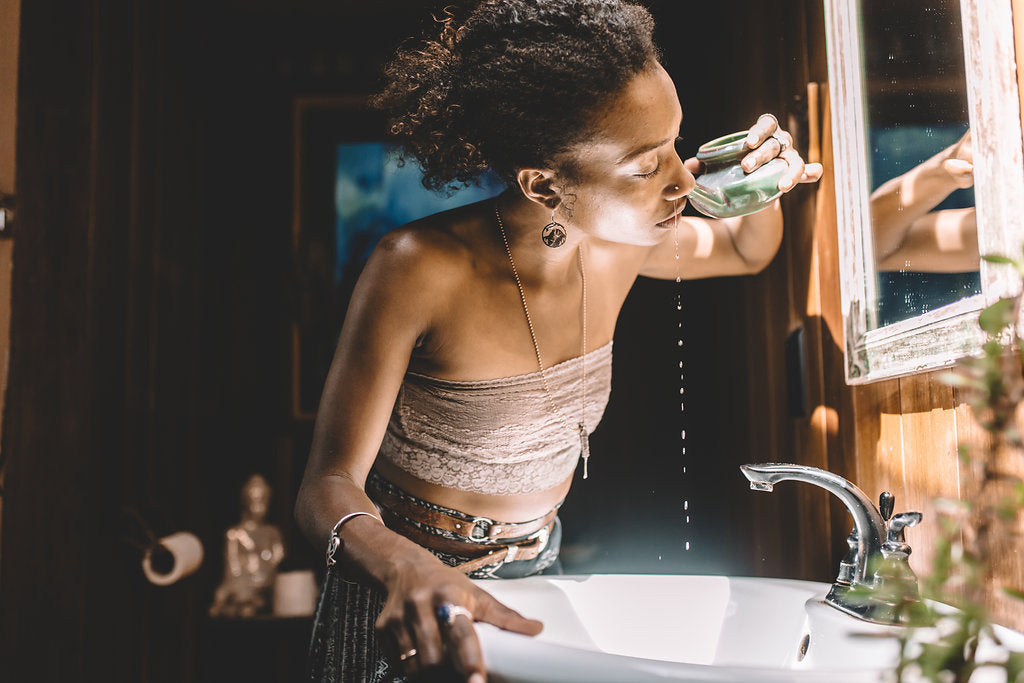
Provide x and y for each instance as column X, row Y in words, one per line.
column 543, row 536
column 481, row 531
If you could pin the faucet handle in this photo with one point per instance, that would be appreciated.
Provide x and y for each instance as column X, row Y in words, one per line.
column 848, row 565
column 894, row 570
column 886, row 503
column 898, row 525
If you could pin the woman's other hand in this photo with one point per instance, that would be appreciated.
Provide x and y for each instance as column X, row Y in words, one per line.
column 416, row 640
column 960, row 163
column 768, row 141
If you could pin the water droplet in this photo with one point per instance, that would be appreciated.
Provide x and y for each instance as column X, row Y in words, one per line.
column 687, row 519
column 686, row 505
column 684, row 469
column 682, row 390
column 680, row 342
column 687, row 546
column 684, row 434
column 680, row 365
column 684, row 449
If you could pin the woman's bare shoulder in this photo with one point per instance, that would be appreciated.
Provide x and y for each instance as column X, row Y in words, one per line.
column 431, row 255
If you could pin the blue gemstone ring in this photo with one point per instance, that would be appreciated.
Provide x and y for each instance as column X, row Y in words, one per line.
column 447, row 612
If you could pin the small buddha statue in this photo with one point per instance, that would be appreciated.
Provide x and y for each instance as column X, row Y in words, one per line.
column 252, row 551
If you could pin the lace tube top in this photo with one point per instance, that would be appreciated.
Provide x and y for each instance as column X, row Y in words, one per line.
column 496, row 436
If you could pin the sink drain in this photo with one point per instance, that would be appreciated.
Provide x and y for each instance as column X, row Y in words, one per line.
column 804, row 644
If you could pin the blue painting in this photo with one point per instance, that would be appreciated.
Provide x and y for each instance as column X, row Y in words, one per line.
column 374, row 193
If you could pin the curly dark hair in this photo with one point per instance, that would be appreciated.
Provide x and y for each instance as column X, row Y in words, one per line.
column 513, row 85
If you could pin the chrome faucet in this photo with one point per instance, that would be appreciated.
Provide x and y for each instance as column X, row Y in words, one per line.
column 875, row 581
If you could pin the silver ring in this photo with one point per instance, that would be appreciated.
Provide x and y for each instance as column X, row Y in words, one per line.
column 447, row 612
column 407, row 655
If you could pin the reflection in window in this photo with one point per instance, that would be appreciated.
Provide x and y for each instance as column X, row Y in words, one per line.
column 903, row 293
column 916, row 106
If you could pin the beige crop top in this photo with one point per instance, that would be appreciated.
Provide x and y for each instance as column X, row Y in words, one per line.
column 496, row 436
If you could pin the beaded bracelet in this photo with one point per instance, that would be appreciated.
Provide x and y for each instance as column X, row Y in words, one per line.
column 335, row 544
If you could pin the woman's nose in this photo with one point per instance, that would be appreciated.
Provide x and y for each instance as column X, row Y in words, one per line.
column 682, row 182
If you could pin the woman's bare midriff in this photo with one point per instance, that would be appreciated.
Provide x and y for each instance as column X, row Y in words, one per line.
column 518, row 508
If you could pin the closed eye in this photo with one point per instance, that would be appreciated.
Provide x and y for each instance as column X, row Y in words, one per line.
column 652, row 173
column 657, row 168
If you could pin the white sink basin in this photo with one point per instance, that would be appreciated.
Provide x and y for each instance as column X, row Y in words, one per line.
column 634, row 628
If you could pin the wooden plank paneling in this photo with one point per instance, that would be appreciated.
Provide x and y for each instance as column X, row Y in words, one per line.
column 1008, row 552
column 9, row 23
column 929, row 455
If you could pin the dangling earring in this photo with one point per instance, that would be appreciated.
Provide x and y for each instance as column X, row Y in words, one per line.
column 553, row 234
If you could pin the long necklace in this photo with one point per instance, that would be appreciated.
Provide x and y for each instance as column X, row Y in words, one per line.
column 581, row 428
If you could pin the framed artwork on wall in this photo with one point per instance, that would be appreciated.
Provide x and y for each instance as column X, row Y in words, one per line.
column 350, row 187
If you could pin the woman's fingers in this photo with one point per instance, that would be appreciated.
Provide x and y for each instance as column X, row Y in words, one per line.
column 766, row 125
column 774, row 145
column 398, row 643
column 768, row 142
column 798, row 171
column 461, row 639
column 812, row 173
column 493, row 612
column 464, row 648
column 960, row 170
column 429, row 629
column 694, row 165
column 422, row 621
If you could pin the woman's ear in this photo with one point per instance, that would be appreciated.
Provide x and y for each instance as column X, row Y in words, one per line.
column 538, row 185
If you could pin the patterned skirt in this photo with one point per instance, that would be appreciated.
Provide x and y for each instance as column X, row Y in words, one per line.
column 344, row 647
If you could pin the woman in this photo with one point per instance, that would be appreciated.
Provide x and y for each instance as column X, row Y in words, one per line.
column 475, row 357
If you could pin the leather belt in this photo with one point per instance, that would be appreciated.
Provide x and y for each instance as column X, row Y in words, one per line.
column 480, row 554
column 485, row 541
column 474, row 529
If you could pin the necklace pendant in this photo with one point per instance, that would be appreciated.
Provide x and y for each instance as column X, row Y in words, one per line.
column 584, row 448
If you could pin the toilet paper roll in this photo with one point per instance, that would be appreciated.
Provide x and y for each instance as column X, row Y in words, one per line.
column 295, row 594
column 187, row 551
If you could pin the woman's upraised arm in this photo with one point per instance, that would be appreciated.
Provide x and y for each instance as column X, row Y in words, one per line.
column 733, row 246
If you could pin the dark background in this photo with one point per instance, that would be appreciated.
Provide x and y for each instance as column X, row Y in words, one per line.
column 156, row 288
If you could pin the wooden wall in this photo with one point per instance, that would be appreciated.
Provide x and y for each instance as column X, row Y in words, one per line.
column 9, row 22
column 898, row 435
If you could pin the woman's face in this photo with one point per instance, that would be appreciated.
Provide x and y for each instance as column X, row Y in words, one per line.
column 630, row 182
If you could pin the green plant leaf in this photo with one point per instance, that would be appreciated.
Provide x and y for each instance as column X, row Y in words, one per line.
column 1015, row 667
column 1014, row 593
column 960, row 569
column 998, row 258
column 1007, row 510
column 997, row 316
